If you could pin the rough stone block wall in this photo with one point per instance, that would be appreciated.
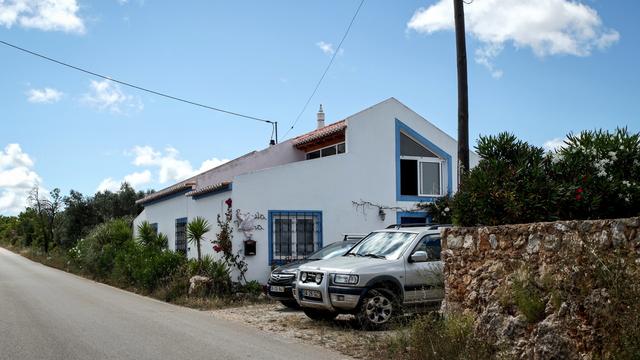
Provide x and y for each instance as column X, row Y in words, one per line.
column 480, row 263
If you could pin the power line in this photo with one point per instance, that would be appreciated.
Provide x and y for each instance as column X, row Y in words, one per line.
column 335, row 53
column 273, row 123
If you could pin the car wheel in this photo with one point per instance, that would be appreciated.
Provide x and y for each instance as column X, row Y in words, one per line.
column 320, row 315
column 291, row 304
column 377, row 309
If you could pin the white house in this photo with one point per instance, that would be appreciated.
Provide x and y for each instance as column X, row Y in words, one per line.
column 353, row 176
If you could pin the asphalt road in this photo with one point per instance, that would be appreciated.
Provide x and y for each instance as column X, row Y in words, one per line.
column 49, row 314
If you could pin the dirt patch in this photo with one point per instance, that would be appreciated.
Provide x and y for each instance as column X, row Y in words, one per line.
column 340, row 335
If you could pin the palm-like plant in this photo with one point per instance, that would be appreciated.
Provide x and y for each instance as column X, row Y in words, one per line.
column 196, row 230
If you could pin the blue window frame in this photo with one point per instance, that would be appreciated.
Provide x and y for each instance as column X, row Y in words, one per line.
column 181, row 236
column 415, row 217
column 403, row 128
column 293, row 234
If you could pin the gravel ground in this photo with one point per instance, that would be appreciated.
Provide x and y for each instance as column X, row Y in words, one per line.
column 340, row 334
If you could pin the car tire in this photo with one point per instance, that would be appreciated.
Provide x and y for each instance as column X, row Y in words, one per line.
column 378, row 309
column 319, row 315
column 291, row 304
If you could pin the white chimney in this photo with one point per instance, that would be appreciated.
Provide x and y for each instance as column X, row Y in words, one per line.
column 320, row 118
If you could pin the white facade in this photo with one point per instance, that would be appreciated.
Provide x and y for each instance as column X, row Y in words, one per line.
column 340, row 194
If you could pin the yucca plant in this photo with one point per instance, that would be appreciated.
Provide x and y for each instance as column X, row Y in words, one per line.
column 196, row 230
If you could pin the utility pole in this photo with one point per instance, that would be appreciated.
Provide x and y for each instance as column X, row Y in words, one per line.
column 463, row 91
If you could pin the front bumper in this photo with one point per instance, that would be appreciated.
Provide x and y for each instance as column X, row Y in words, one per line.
column 333, row 298
column 286, row 295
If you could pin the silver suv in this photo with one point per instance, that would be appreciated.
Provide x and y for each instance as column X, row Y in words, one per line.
column 382, row 274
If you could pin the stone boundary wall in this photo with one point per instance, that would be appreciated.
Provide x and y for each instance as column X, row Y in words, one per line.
column 481, row 263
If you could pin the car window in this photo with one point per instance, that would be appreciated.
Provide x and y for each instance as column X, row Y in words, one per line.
column 384, row 244
column 431, row 245
column 332, row 250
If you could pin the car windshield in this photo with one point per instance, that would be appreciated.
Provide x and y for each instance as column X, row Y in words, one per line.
column 333, row 250
column 384, row 245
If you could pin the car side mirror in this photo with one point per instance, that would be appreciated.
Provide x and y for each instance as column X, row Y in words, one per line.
column 418, row 256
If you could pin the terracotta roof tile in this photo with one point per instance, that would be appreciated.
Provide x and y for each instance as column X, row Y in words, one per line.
column 317, row 134
column 209, row 189
column 182, row 186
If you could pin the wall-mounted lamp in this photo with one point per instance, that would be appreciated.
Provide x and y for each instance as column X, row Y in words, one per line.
column 381, row 214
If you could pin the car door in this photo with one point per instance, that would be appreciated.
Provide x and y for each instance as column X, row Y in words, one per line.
column 424, row 281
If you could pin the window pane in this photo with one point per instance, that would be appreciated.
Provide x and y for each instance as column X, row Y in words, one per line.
column 409, row 147
column 282, row 236
column 341, row 148
column 329, row 151
column 304, row 237
column 181, row 236
column 313, row 155
column 408, row 177
column 430, row 173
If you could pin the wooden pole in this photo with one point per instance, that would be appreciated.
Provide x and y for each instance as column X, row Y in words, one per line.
column 463, row 91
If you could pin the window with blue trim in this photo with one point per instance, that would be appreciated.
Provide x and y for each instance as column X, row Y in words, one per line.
column 295, row 234
column 420, row 169
column 181, row 236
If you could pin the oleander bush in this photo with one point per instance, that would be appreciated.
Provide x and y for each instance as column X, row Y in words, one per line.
column 595, row 175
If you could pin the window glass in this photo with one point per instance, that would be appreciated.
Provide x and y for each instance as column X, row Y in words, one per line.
column 181, row 235
column 341, row 148
column 329, row 151
column 430, row 178
column 333, row 250
column 304, row 237
column 431, row 245
column 408, row 177
column 313, row 155
column 409, row 147
column 282, row 237
column 385, row 244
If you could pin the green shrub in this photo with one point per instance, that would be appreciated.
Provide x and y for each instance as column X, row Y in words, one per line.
column 218, row 271
column 527, row 297
column 148, row 236
column 96, row 253
column 509, row 185
column 145, row 268
column 597, row 175
column 434, row 337
column 594, row 176
column 252, row 287
column 439, row 210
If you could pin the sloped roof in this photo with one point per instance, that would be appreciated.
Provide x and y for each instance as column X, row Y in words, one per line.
column 181, row 186
column 329, row 130
column 209, row 189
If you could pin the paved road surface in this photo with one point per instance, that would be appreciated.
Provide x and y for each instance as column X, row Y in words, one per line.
column 50, row 314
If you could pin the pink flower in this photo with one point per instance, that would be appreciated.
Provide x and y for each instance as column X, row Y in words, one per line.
column 217, row 248
column 228, row 202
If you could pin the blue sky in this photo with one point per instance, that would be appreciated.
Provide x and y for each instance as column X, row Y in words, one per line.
column 574, row 69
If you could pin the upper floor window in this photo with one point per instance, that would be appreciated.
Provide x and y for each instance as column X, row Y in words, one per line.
column 420, row 169
column 327, row 151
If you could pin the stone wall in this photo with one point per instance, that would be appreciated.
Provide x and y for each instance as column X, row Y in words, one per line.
column 563, row 260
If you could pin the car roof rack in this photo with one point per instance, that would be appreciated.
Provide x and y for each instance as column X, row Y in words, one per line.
column 428, row 226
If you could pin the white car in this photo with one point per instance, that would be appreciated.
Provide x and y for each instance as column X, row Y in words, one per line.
column 382, row 274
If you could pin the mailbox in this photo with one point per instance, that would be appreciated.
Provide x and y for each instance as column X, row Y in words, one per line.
column 249, row 247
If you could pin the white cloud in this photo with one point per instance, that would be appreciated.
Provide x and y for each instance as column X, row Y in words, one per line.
column 134, row 179
column 168, row 163
column 554, row 144
column 47, row 15
column 17, row 178
column 328, row 48
column 44, row 96
column 547, row 27
column 107, row 95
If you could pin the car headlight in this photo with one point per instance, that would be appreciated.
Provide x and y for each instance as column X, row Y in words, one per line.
column 303, row 276
column 318, row 278
column 345, row 279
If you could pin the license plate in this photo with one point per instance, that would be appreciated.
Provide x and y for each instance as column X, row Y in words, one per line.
column 312, row 294
column 277, row 288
